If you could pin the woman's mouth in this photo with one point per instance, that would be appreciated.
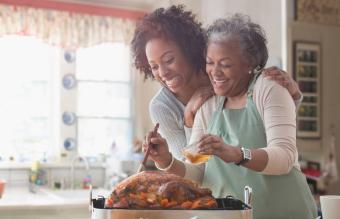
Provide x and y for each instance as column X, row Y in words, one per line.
column 173, row 81
column 219, row 82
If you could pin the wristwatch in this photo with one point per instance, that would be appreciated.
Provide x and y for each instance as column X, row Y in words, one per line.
column 246, row 156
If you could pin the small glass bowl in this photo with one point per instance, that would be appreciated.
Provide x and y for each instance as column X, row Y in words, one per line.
column 190, row 152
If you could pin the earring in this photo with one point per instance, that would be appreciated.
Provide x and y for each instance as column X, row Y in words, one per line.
column 250, row 71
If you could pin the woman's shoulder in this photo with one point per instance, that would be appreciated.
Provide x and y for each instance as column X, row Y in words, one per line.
column 263, row 83
column 165, row 102
column 266, row 89
column 212, row 103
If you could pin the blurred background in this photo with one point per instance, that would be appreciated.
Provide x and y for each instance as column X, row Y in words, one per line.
column 74, row 111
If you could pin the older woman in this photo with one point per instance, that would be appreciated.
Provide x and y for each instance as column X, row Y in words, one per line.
column 169, row 45
column 251, row 125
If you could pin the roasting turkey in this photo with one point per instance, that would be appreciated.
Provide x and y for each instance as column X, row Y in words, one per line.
column 160, row 190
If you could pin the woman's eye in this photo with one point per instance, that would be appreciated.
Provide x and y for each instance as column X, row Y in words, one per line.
column 153, row 68
column 209, row 63
column 225, row 65
column 169, row 61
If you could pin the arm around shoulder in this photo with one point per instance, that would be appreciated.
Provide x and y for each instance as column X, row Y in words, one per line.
column 278, row 113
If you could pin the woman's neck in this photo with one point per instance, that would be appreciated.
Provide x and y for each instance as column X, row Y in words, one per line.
column 237, row 102
column 240, row 99
column 199, row 79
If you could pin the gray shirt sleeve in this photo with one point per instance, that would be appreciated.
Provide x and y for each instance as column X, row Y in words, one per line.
column 169, row 127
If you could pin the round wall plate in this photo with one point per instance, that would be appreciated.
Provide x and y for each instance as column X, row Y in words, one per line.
column 70, row 144
column 69, row 118
column 69, row 81
column 69, row 56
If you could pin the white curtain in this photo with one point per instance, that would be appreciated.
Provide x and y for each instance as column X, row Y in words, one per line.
column 64, row 29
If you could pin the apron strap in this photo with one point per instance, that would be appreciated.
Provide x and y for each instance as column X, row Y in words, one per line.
column 251, row 85
column 221, row 103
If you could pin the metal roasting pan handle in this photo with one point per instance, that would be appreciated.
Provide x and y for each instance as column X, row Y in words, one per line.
column 248, row 195
column 90, row 204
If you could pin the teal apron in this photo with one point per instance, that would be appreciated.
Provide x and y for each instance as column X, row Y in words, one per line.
column 274, row 196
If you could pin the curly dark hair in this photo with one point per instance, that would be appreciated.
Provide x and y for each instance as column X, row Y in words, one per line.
column 175, row 24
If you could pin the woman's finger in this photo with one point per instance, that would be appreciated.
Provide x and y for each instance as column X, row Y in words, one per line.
column 208, row 139
column 153, row 152
column 269, row 69
column 206, row 151
column 148, row 137
column 272, row 72
column 156, row 140
column 144, row 147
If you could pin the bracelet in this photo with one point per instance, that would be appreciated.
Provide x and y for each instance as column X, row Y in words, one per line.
column 169, row 166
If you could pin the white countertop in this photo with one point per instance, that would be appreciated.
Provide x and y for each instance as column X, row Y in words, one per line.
column 21, row 198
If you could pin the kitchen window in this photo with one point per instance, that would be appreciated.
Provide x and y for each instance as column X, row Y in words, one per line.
column 28, row 67
column 33, row 99
column 104, row 99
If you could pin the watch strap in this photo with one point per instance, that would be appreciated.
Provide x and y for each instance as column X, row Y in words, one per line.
column 244, row 158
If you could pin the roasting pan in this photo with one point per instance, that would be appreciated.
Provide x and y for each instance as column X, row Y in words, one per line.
column 228, row 208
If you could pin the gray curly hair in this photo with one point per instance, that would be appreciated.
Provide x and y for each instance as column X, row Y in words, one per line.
column 251, row 36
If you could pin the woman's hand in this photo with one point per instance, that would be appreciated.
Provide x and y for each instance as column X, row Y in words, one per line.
column 284, row 79
column 159, row 151
column 214, row 145
column 196, row 101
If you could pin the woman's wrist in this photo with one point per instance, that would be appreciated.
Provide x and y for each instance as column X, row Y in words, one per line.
column 297, row 94
column 188, row 119
column 237, row 154
column 167, row 164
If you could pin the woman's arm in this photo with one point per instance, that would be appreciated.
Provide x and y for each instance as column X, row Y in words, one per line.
column 285, row 80
column 169, row 127
column 279, row 116
column 196, row 101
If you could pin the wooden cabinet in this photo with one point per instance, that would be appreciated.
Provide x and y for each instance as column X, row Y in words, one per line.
column 307, row 73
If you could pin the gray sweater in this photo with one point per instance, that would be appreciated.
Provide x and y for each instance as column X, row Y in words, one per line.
column 168, row 111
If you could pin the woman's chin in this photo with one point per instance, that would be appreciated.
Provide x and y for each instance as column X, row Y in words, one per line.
column 174, row 88
column 220, row 92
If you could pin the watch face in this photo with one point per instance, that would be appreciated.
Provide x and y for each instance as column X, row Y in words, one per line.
column 247, row 154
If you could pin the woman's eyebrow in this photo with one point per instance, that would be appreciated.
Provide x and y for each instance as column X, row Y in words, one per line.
column 222, row 59
column 166, row 52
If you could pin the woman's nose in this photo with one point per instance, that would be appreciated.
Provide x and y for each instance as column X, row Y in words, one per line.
column 163, row 71
column 215, row 70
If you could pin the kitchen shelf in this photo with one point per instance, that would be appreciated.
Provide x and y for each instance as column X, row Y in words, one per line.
column 301, row 118
column 306, row 79
column 307, row 75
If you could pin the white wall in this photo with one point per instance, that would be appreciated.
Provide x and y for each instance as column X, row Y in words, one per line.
column 267, row 13
column 144, row 91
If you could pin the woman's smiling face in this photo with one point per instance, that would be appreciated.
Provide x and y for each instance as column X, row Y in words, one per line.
column 228, row 70
column 168, row 64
